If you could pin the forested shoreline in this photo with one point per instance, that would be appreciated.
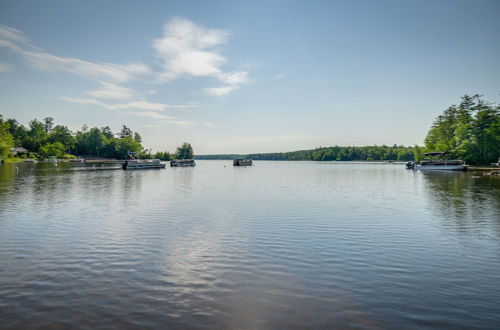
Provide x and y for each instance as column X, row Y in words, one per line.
column 43, row 139
column 368, row 153
column 469, row 131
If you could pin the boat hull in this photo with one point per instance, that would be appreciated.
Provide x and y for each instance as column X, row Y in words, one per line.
column 242, row 162
column 442, row 167
column 142, row 165
column 182, row 163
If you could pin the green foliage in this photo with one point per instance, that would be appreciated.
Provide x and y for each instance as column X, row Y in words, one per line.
column 52, row 150
column 418, row 153
column 125, row 132
column 47, row 140
column 6, row 139
column 63, row 135
column 164, row 155
column 184, row 152
column 369, row 153
column 36, row 136
column 469, row 131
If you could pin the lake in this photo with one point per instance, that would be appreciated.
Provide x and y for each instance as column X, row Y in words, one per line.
column 272, row 246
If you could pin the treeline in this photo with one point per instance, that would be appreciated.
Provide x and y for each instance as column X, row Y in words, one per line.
column 469, row 131
column 368, row 153
column 46, row 139
column 220, row 156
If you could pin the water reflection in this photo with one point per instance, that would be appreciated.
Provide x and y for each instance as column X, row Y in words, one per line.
column 276, row 245
column 468, row 202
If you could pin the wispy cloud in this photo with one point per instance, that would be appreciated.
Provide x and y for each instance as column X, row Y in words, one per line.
column 220, row 91
column 151, row 114
column 186, row 49
column 138, row 105
column 189, row 49
column 16, row 41
column 188, row 123
column 112, row 91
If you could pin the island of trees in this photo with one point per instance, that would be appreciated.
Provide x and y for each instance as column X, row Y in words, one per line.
column 45, row 139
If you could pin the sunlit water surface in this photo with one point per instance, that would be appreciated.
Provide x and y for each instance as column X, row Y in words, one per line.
column 277, row 245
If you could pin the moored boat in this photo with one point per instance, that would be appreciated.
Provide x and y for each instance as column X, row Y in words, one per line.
column 437, row 164
column 182, row 162
column 136, row 164
column 242, row 162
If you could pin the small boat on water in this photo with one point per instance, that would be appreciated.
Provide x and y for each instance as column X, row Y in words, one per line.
column 138, row 164
column 141, row 164
column 437, row 164
column 242, row 162
column 182, row 163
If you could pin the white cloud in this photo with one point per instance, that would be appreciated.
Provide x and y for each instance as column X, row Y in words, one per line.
column 189, row 49
column 186, row 48
column 187, row 123
column 279, row 76
column 142, row 105
column 10, row 33
column 154, row 115
column 112, row 91
column 234, row 78
column 220, row 91
column 139, row 105
column 16, row 41
column 4, row 67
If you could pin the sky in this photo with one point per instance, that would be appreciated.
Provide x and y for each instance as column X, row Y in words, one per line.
column 248, row 76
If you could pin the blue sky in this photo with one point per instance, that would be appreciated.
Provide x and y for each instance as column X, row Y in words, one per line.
column 248, row 76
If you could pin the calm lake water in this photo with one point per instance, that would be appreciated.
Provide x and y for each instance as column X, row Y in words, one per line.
column 277, row 245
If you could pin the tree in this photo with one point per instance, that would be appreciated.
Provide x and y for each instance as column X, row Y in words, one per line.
column 18, row 132
column 137, row 137
column 164, row 155
column 126, row 145
column 48, row 123
column 6, row 139
column 36, row 135
column 125, row 132
column 468, row 131
column 418, row 153
column 107, row 132
column 95, row 140
column 184, row 152
column 52, row 150
column 63, row 135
